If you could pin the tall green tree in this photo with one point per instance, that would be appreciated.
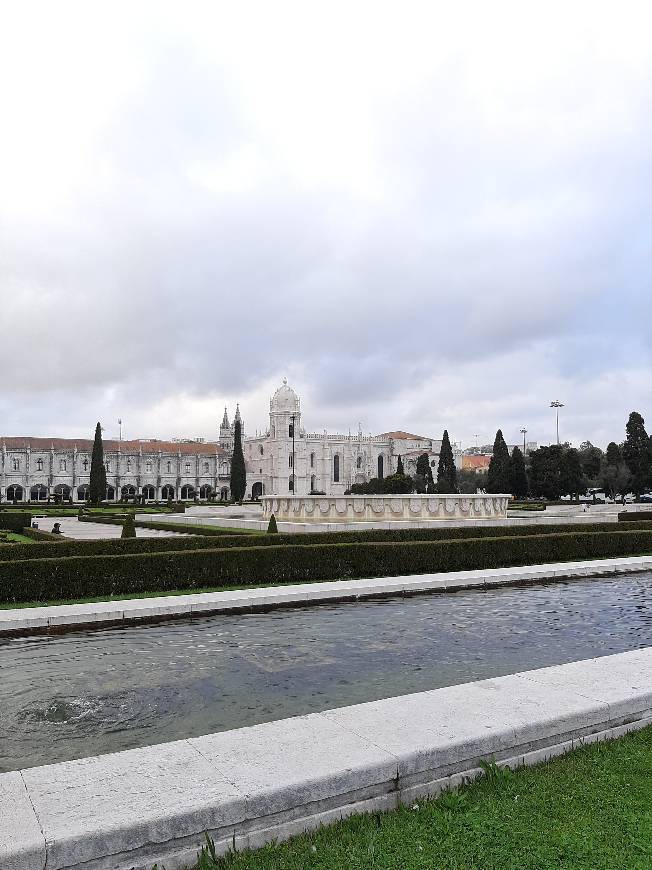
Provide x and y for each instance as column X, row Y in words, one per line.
column 238, row 469
column 545, row 472
column 399, row 466
column 446, row 471
column 573, row 482
column 423, row 479
column 499, row 477
column 636, row 453
column 97, row 483
column 517, row 474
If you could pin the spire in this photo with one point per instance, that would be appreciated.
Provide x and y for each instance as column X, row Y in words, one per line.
column 225, row 419
column 237, row 412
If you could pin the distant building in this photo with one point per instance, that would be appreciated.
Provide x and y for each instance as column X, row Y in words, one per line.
column 477, row 462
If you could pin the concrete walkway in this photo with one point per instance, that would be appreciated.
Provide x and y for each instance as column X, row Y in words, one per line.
column 115, row 612
column 72, row 528
column 130, row 810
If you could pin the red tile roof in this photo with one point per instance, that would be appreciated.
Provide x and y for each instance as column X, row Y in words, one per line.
column 404, row 436
column 85, row 445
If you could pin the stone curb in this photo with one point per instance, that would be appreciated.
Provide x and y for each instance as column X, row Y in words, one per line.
column 60, row 617
column 245, row 787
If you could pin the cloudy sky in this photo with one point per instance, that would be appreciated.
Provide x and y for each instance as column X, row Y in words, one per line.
column 424, row 217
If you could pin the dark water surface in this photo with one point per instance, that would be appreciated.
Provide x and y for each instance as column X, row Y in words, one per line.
column 90, row 692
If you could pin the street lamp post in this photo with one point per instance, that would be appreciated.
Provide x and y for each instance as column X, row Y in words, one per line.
column 557, row 405
column 523, row 433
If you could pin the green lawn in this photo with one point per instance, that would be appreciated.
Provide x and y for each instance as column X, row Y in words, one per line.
column 590, row 810
column 8, row 537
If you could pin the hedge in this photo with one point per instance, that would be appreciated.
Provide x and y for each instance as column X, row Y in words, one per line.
column 634, row 516
column 102, row 576
column 161, row 525
column 15, row 521
column 117, row 546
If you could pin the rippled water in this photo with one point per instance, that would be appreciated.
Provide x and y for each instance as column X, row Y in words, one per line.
column 91, row 692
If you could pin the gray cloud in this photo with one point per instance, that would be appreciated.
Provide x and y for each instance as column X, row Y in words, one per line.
column 482, row 259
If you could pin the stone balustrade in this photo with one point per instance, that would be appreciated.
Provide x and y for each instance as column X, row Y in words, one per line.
column 374, row 508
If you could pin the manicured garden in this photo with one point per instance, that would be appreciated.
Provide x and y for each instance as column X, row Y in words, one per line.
column 589, row 810
column 110, row 568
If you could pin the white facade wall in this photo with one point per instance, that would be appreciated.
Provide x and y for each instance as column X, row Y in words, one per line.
column 318, row 457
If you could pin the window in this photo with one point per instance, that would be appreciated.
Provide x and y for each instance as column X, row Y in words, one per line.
column 169, row 467
column 206, row 468
column 312, row 483
column 359, row 462
column 16, row 464
column 128, row 464
column 149, row 467
column 290, row 458
column 291, row 430
column 84, row 463
column 108, row 465
column 381, row 468
column 312, row 460
column 336, row 468
column 291, row 484
column 433, row 463
column 39, row 465
column 62, row 465
column 187, row 468
column 261, row 449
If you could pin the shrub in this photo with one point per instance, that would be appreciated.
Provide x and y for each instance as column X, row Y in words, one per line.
column 129, row 527
column 634, row 516
column 81, row 577
column 272, row 528
column 15, row 521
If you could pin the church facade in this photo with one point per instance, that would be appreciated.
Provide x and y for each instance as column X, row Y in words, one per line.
column 287, row 458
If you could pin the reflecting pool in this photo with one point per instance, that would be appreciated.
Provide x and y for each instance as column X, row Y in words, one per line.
column 90, row 692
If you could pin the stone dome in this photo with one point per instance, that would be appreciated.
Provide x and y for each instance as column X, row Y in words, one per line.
column 284, row 400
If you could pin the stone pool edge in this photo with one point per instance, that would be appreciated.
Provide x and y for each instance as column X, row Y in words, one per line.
column 248, row 786
column 114, row 613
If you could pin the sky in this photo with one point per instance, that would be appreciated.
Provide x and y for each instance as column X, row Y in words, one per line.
column 424, row 215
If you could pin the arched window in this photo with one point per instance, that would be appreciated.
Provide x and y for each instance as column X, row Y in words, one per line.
column 381, row 467
column 291, row 430
column 149, row 466
column 290, row 459
column 62, row 465
column 359, row 462
column 17, row 465
column 169, row 467
column 206, row 467
column 336, row 468
column 291, row 483
column 261, row 449
column 312, row 483
column 84, row 463
column 39, row 465
column 312, row 460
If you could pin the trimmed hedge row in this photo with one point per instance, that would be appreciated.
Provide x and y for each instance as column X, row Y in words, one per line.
column 82, row 577
column 15, row 521
column 117, row 546
column 634, row 516
column 185, row 528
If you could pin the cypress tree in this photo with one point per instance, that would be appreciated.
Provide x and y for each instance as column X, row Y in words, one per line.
column 97, row 485
column 129, row 526
column 272, row 528
column 238, row 470
column 424, row 474
column 399, row 467
column 636, row 453
column 498, row 476
column 518, row 476
column 446, row 471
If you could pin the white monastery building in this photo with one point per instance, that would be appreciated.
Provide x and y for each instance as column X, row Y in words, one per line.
column 288, row 459
column 285, row 459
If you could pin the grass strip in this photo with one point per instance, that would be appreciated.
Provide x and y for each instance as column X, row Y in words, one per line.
column 588, row 810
